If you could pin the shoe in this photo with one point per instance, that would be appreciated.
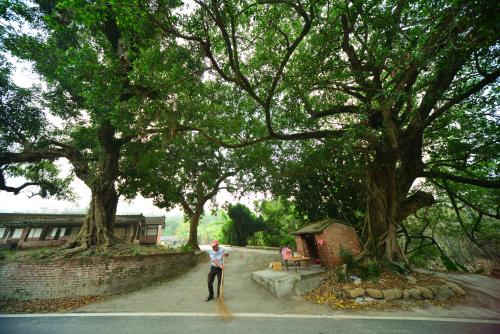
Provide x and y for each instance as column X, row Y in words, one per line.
column 209, row 298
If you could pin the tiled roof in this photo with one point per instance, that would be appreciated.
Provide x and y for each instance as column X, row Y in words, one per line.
column 34, row 219
column 317, row 227
column 155, row 221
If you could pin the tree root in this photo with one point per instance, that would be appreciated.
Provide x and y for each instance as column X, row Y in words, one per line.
column 71, row 251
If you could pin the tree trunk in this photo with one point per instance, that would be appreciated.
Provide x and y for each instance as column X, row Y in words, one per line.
column 381, row 222
column 193, row 228
column 388, row 203
column 97, row 229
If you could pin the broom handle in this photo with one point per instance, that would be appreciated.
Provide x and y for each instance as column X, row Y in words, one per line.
column 222, row 285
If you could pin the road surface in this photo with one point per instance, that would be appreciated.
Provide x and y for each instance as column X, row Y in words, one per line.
column 210, row 323
column 187, row 292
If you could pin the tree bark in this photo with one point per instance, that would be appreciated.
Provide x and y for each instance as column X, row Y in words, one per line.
column 380, row 228
column 193, row 228
column 97, row 229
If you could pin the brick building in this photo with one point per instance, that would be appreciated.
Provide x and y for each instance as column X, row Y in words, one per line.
column 324, row 239
column 27, row 230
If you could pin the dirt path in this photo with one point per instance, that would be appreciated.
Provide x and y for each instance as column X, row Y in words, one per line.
column 187, row 292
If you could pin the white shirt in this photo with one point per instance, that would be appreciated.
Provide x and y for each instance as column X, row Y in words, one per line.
column 217, row 255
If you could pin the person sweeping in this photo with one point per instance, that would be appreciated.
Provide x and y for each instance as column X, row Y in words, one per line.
column 217, row 255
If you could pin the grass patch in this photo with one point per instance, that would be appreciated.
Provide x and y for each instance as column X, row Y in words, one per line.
column 43, row 253
column 53, row 253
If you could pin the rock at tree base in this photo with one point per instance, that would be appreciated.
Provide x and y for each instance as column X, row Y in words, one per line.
column 425, row 292
column 375, row 293
column 392, row 294
column 358, row 292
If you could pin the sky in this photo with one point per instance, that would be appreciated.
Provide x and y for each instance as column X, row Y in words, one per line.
column 24, row 76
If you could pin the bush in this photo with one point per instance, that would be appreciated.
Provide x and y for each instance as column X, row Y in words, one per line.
column 288, row 240
column 186, row 248
column 348, row 258
column 135, row 250
column 262, row 238
column 257, row 239
column 423, row 256
column 338, row 274
column 370, row 269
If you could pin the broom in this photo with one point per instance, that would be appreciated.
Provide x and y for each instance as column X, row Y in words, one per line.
column 222, row 308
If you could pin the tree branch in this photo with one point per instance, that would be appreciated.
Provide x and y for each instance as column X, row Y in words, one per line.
column 333, row 110
column 484, row 183
column 275, row 136
column 216, row 188
column 489, row 78
column 413, row 203
column 466, row 202
column 354, row 61
column 185, row 205
column 14, row 190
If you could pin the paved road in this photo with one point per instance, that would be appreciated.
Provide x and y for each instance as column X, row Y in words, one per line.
column 242, row 323
column 187, row 292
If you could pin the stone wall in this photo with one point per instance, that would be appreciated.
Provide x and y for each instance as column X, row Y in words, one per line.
column 90, row 276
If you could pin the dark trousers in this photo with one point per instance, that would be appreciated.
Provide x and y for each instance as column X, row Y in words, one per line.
column 214, row 271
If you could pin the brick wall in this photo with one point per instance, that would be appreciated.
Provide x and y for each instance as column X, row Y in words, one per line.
column 90, row 276
column 337, row 236
column 300, row 245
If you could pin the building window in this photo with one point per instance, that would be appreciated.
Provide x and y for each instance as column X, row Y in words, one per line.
column 57, row 232
column 52, row 233
column 150, row 231
column 3, row 232
column 35, row 232
column 17, row 233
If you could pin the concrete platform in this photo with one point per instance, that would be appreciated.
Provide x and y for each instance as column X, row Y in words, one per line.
column 288, row 283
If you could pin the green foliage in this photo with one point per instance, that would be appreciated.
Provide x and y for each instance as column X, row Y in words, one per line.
column 40, row 253
column 171, row 224
column 35, row 254
column 404, row 88
column 370, row 269
column 452, row 265
column 439, row 237
column 210, row 227
column 348, row 258
column 280, row 219
column 425, row 256
column 320, row 180
column 186, row 248
column 135, row 250
column 182, row 232
column 242, row 224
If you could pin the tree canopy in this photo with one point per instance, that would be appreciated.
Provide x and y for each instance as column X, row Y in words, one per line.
column 379, row 75
column 363, row 109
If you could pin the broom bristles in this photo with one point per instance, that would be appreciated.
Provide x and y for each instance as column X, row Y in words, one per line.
column 222, row 308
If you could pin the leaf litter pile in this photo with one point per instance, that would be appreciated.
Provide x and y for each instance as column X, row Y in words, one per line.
column 336, row 294
column 46, row 305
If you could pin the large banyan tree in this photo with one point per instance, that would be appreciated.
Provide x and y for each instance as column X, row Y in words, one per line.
column 88, row 55
column 389, row 77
